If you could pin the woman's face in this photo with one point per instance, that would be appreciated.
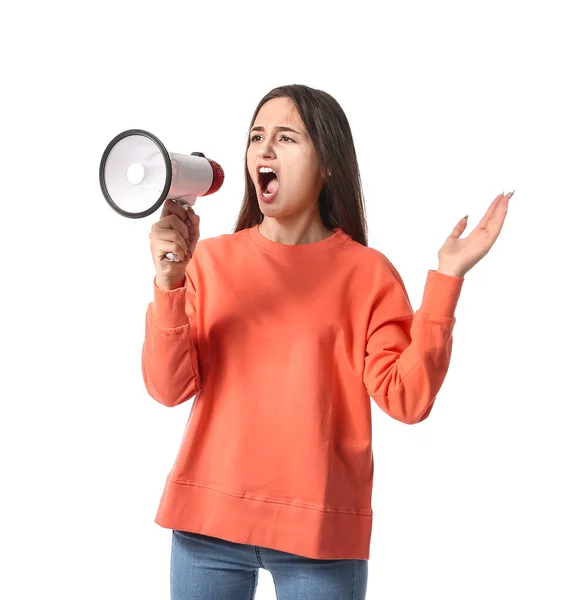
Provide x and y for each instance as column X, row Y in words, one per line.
column 290, row 154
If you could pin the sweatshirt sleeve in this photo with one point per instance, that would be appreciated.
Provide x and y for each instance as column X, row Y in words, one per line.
column 408, row 354
column 169, row 356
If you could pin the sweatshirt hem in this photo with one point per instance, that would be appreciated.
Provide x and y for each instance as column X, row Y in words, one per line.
column 278, row 524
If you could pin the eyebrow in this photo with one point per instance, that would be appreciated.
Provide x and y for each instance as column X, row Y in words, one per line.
column 277, row 128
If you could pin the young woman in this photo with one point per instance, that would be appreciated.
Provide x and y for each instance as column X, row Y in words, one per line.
column 284, row 330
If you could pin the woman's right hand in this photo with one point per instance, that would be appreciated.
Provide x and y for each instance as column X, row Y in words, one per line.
column 176, row 232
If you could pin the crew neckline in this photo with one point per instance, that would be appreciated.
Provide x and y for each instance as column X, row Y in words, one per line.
column 337, row 238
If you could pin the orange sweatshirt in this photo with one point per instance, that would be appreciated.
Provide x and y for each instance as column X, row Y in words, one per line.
column 282, row 347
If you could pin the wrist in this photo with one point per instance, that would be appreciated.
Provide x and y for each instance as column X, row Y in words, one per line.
column 451, row 271
column 166, row 285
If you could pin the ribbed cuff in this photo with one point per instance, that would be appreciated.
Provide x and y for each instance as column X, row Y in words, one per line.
column 169, row 307
column 441, row 294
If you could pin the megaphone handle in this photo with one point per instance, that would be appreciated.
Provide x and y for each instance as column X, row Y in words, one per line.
column 170, row 256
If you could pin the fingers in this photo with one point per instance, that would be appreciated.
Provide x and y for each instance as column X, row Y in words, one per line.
column 484, row 222
column 173, row 208
column 175, row 217
column 168, row 239
column 192, row 222
column 163, row 246
column 193, row 228
column 172, row 221
column 185, row 215
column 459, row 228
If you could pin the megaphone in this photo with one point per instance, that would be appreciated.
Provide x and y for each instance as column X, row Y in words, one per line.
column 137, row 174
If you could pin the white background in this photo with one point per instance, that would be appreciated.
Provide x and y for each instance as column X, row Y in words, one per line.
column 450, row 104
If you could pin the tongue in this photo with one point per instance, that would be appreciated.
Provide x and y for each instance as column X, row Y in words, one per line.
column 272, row 185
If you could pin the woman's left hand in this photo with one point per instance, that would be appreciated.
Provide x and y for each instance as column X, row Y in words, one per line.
column 457, row 257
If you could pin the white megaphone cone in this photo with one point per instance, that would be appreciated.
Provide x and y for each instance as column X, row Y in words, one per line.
column 137, row 174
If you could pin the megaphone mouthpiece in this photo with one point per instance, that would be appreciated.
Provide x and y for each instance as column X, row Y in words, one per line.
column 218, row 177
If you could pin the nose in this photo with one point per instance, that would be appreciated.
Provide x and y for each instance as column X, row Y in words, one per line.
column 266, row 149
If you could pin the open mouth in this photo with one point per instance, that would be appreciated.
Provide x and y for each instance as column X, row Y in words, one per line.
column 268, row 181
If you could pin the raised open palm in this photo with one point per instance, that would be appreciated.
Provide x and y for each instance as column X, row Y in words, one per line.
column 457, row 255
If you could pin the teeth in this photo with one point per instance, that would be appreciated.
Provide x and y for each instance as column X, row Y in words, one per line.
column 266, row 170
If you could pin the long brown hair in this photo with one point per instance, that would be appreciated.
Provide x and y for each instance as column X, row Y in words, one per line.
column 341, row 201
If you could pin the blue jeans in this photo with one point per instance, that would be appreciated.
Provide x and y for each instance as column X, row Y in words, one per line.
column 208, row 568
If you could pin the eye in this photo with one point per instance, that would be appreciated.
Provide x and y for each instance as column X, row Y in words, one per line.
column 253, row 138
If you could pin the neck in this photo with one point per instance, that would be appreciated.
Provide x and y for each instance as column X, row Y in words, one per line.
column 295, row 230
